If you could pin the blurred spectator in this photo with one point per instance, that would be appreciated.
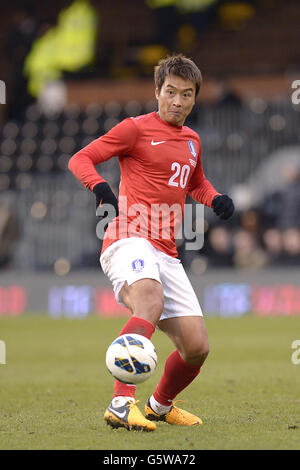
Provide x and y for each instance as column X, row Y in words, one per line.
column 148, row 56
column 247, row 253
column 235, row 14
column 272, row 209
column 66, row 47
column 186, row 39
column 228, row 97
column 221, row 247
column 272, row 242
column 291, row 246
column 250, row 221
column 289, row 216
column 9, row 231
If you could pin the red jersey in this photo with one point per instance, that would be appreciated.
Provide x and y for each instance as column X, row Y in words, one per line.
column 160, row 164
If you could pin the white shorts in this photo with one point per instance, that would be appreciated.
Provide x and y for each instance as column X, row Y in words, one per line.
column 132, row 259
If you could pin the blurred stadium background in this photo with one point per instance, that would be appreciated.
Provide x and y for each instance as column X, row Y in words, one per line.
column 71, row 70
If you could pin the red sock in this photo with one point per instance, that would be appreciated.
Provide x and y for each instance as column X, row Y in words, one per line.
column 141, row 327
column 177, row 375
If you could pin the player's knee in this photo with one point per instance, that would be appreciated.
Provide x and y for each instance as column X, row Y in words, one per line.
column 196, row 354
column 155, row 306
column 150, row 308
column 145, row 299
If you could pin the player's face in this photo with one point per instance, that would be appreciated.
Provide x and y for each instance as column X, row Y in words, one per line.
column 176, row 99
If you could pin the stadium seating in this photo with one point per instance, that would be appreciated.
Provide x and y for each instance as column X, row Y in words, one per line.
column 56, row 213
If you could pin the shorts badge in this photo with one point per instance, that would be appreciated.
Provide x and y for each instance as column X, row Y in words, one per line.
column 138, row 265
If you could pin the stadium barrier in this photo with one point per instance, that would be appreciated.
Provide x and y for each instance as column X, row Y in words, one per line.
column 225, row 293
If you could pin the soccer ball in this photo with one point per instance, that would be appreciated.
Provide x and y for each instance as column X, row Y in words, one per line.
column 131, row 358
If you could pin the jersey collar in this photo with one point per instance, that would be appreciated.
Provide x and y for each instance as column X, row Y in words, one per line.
column 176, row 128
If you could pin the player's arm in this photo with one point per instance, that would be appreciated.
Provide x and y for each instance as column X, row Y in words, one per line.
column 201, row 190
column 118, row 141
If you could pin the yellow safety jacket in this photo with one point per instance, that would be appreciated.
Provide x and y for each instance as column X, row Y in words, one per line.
column 67, row 47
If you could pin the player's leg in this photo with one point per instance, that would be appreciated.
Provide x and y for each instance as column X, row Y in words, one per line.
column 182, row 321
column 189, row 335
column 135, row 277
column 182, row 366
column 144, row 300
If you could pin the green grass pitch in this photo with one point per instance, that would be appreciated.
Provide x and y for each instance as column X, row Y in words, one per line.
column 55, row 388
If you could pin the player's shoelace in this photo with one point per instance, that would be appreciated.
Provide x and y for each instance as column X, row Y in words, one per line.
column 133, row 406
column 179, row 413
column 181, row 416
column 133, row 403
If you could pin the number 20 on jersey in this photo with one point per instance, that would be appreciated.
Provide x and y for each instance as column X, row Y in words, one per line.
column 180, row 175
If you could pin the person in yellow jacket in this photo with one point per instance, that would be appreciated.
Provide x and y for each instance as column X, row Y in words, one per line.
column 66, row 47
column 40, row 64
column 76, row 34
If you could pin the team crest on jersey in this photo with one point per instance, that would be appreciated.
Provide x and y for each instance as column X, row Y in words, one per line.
column 138, row 265
column 193, row 149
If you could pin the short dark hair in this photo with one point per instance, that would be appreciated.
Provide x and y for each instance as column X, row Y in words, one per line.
column 177, row 64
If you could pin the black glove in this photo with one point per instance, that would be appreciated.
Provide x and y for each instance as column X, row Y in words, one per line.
column 104, row 195
column 223, row 206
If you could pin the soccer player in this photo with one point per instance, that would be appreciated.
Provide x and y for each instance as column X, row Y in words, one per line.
column 160, row 162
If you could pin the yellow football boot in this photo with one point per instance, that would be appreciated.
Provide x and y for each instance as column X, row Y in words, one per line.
column 175, row 416
column 128, row 416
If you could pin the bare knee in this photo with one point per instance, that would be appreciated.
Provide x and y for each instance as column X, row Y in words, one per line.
column 150, row 307
column 145, row 299
column 196, row 354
